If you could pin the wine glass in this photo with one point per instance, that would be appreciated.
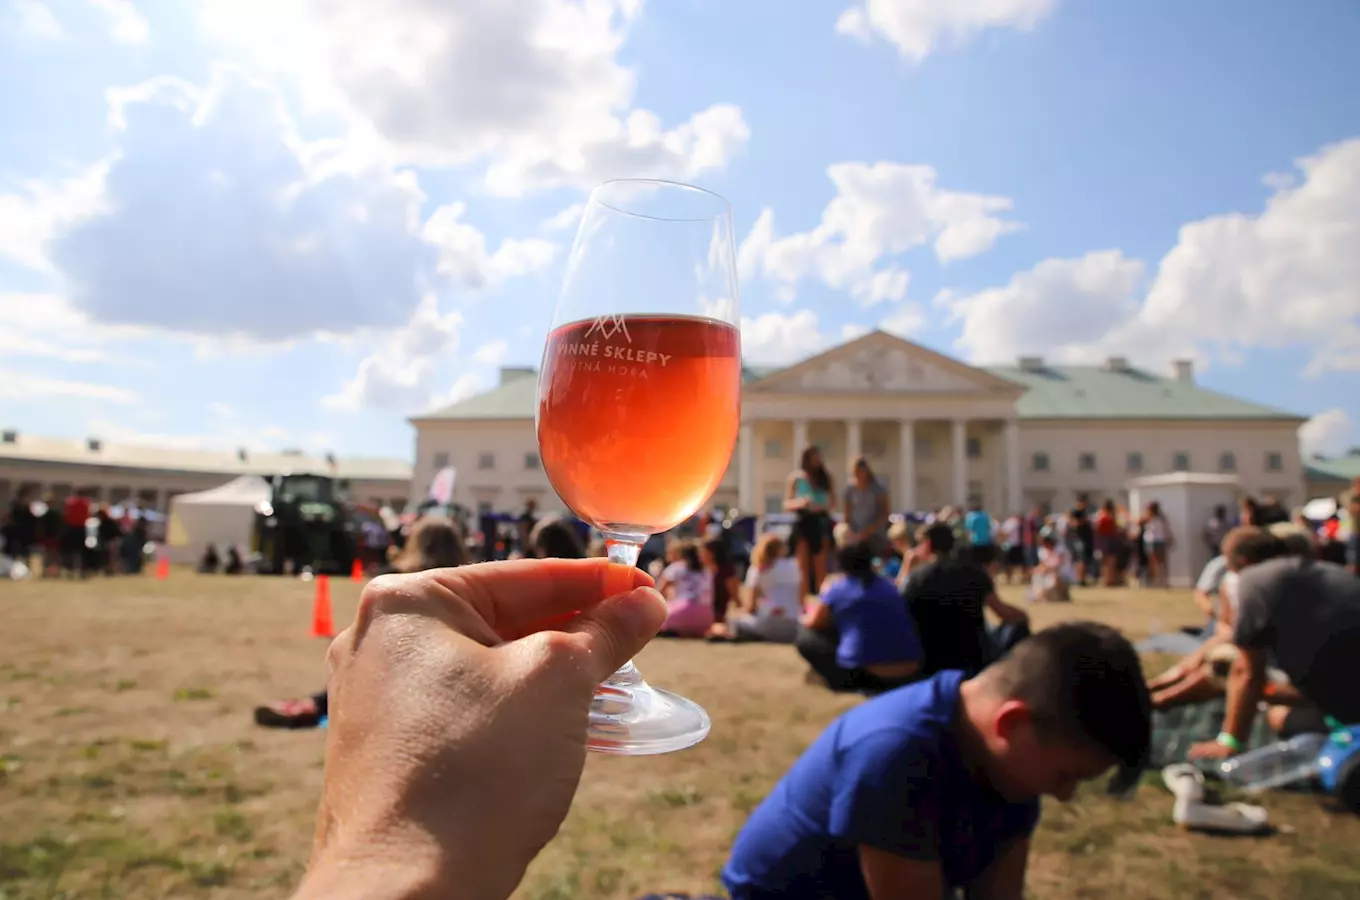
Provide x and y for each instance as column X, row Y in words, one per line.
column 639, row 401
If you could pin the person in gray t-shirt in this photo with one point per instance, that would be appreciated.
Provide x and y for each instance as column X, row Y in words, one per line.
column 866, row 505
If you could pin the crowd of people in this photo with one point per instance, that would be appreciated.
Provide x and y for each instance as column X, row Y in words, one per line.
column 74, row 538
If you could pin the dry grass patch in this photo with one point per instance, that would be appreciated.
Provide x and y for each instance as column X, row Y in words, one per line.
column 129, row 766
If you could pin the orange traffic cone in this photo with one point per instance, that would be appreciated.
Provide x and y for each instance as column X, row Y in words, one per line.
column 356, row 573
column 322, row 624
column 162, row 568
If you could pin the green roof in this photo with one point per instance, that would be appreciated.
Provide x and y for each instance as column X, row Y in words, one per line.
column 1054, row 392
column 1097, row 392
column 1343, row 468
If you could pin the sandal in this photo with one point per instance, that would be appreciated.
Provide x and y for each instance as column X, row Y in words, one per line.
column 291, row 714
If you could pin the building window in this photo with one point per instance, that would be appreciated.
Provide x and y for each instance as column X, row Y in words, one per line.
column 1227, row 462
column 974, row 447
column 1274, row 462
column 774, row 504
column 924, row 448
column 1180, row 462
column 486, row 460
column 531, row 461
column 1134, row 463
column 441, row 460
column 1086, row 462
column 774, row 448
column 1040, row 462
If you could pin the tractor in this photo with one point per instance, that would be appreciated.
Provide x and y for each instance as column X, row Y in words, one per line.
column 304, row 525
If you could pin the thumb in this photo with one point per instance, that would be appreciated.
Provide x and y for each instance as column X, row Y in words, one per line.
column 616, row 629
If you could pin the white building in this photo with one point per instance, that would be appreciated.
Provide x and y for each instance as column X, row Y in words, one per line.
column 115, row 473
column 935, row 430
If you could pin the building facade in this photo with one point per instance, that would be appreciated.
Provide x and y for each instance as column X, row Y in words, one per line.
column 936, row 432
column 150, row 476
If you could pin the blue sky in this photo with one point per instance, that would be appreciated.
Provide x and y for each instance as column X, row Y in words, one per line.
column 237, row 222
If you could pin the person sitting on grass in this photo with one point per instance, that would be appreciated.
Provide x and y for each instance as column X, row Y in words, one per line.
column 1203, row 674
column 773, row 602
column 948, row 598
column 688, row 589
column 934, row 788
column 1302, row 615
column 1051, row 579
column 859, row 636
column 434, row 543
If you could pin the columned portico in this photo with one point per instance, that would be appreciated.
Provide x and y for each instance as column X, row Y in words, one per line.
column 959, row 444
column 906, row 465
column 1015, row 497
column 926, row 462
column 932, row 429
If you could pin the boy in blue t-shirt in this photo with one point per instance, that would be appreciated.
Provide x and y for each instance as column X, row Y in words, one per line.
column 934, row 787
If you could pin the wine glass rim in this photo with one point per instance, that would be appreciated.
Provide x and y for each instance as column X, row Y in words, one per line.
column 726, row 205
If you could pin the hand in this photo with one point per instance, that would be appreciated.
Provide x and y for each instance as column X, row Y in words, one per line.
column 457, row 736
column 1210, row 750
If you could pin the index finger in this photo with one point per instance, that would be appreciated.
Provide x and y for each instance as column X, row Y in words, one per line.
column 520, row 596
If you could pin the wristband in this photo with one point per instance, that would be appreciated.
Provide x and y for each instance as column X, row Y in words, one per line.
column 1225, row 739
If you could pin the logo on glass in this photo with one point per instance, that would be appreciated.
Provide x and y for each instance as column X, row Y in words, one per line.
column 607, row 326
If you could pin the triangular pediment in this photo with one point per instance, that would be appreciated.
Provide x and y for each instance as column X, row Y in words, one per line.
column 878, row 363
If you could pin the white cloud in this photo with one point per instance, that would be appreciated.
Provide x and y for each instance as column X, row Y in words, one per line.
column 776, row 338
column 399, row 374
column 46, row 326
column 917, row 27
column 1062, row 307
column 1328, row 433
column 880, row 210
column 533, row 87
column 126, row 24
column 905, row 320
column 1286, row 277
column 463, row 256
column 565, row 219
column 1289, row 276
column 35, row 211
column 465, row 386
column 214, row 219
column 23, row 386
column 35, row 19
column 492, row 354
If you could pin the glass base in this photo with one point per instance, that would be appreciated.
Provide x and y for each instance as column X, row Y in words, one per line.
column 629, row 717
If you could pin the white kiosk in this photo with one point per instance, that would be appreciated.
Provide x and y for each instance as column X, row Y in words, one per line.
column 1187, row 500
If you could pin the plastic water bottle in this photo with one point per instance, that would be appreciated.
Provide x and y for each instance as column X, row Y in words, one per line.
column 1275, row 765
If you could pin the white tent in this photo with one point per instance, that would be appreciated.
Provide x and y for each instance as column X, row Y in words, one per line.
column 224, row 516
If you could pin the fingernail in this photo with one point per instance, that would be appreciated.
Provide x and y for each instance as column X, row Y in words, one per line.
column 644, row 608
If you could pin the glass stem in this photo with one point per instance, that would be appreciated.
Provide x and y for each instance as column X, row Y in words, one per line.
column 624, row 553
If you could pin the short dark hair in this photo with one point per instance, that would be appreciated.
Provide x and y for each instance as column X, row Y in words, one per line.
column 940, row 537
column 856, row 560
column 1248, row 545
column 1084, row 682
column 555, row 539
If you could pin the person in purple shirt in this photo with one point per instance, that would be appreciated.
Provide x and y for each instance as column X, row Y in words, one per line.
column 859, row 636
column 933, row 789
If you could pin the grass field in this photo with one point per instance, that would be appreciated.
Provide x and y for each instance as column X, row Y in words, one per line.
column 129, row 765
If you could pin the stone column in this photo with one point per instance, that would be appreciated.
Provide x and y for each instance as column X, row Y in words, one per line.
column 1015, row 497
column 960, row 473
column 906, row 466
column 800, row 439
column 747, row 501
column 853, row 440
